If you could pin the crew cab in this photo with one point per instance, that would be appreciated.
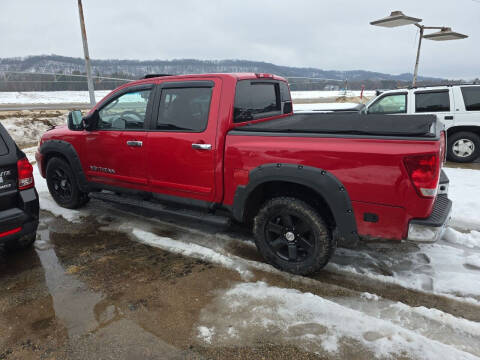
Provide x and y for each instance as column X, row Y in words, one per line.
column 457, row 106
column 18, row 198
column 230, row 144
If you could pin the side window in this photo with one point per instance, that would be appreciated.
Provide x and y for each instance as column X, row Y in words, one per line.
column 184, row 109
column 389, row 104
column 256, row 99
column 471, row 97
column 127, row 112
column 432, row 101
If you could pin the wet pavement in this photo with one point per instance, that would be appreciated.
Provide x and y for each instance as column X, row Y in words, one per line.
column 83, row 293
column 119, row 283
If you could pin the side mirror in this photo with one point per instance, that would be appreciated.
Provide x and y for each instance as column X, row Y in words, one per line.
column 91, row 121
column 75, row 122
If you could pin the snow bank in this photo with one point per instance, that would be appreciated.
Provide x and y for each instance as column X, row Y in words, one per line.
column 57, row 97
column 27, row 131
column 251, row 310
column 49, row 97
column 302, row 95
column 323, row 106
column 465, row 193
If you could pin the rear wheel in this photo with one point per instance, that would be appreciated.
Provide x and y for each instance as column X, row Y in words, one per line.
column 292, row 236
column 463, row 147
column 63, row 185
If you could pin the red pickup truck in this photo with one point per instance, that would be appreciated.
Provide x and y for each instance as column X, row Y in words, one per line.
column 229, row 143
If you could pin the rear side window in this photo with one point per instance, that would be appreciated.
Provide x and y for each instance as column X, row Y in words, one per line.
column 471, row 97
column 256, row 99
column 184, row 109
column 432, row 101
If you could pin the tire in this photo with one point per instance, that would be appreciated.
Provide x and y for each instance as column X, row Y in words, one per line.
column 63, row 185
column 463, row 147
column 292, row 236
column 23, row 243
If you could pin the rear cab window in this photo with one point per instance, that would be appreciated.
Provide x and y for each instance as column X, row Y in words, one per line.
column 432, row 101
column 471, row 97
column 259, row 99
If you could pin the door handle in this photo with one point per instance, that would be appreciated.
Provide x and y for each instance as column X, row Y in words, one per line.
column 448, row 117
column 202, row 146
column 134, row 143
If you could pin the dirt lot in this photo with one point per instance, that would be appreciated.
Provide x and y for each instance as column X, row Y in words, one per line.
column 110, row 282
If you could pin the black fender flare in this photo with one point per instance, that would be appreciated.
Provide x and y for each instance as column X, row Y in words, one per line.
column 68, row 151
column 321, row 181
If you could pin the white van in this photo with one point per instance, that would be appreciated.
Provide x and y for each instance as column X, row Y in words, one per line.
column 457, row 106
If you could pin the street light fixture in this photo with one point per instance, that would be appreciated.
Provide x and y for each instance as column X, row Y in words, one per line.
column 398, row 18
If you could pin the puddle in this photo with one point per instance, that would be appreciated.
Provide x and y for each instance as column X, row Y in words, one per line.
column 73, row 302
column 95, row 321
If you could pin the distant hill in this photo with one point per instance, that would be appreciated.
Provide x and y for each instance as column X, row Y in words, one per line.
column 136, row 69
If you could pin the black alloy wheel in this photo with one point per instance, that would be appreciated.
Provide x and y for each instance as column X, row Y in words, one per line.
column 63, row 185
column 292, row 236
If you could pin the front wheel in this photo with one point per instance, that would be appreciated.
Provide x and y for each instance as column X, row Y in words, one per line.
column 63, row 186
column 292, row 236
column 463, row 147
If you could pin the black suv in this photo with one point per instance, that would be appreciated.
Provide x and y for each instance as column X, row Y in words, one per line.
column 18, row 197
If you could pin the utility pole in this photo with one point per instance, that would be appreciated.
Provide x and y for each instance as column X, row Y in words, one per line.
column 87, row 56
column 415, row 73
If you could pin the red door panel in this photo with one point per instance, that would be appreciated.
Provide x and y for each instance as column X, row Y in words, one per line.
column 182, row 163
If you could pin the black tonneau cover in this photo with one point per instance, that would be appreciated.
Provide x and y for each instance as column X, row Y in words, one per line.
column 347, row 123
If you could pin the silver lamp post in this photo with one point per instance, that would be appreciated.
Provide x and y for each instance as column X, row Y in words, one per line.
column 398, row 18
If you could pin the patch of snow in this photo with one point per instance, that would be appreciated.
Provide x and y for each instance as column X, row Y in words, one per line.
column 49, row 97
column 464, row 191
column 317, row 94
column 27, row 131
column 205, row 334
column 313, row 323
column 322, row 107
column 470, row 240
column 368, row 296
column 192, row 250
column 457, row 324
column 47, row 203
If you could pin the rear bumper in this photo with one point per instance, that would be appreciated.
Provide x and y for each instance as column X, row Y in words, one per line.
column 21, row 220
column 431, row 229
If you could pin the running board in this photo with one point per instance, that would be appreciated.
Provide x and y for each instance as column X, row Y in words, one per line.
column 157, row 208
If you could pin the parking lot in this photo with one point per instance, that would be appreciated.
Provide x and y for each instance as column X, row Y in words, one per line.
column 112, row 282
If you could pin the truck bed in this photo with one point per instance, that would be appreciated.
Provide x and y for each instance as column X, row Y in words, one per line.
column 423, row 126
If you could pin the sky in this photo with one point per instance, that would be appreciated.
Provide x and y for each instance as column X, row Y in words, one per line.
column 330, row 35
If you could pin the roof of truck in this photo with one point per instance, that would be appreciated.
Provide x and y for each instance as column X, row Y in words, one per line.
column 238, row 76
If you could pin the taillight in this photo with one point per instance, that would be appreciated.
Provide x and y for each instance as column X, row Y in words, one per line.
column 25, row 174
column 264, row 76
column 424, row 171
